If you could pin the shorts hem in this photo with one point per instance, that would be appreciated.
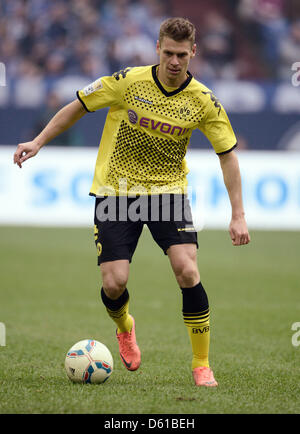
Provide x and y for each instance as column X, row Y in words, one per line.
column 175, row 243
column 107, row 259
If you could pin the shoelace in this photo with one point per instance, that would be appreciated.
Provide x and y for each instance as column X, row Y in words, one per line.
column 126, row 342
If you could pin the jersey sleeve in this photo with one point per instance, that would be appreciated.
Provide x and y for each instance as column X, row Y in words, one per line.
column 104, row 92
column 217, row 128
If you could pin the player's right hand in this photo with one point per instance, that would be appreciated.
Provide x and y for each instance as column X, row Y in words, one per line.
column 25, row 151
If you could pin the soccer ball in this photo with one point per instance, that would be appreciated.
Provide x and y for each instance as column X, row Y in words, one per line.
column 89, row 361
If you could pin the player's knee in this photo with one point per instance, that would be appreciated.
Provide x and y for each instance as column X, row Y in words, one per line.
column 187, row 275
column 114, row 285
column 114, row 278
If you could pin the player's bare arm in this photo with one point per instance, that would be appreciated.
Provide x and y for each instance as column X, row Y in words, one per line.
column 232, row 178
column 63, row 120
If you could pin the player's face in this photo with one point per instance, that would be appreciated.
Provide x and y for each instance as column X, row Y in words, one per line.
column 174, row 60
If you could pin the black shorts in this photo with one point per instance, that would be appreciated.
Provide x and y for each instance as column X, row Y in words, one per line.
column 119, row 223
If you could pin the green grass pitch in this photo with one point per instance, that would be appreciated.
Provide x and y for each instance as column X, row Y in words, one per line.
column 49, row 299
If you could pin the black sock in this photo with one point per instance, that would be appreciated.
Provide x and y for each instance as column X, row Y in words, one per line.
column 194, row 299
column 114, row 304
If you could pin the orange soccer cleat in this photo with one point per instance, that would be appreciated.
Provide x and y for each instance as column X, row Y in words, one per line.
column 129, row 350
column 204, row 376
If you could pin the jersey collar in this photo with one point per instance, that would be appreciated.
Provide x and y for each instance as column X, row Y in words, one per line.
column 163, row 90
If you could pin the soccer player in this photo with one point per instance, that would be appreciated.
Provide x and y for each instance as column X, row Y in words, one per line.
column 141, row 164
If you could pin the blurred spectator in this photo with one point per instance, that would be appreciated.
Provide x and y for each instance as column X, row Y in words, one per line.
column 43, row 42
column 289, row 51
column 115, row 15
column 217, row 47
column 70, row 137
column 140, row 12
column 134, row 48
column 51, row 49
column 266, row 23
column 59, row 20
column 87, row 37
column 55, row 65
column 30, row 90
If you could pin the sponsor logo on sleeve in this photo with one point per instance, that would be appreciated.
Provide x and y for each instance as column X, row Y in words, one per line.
column 96, row 85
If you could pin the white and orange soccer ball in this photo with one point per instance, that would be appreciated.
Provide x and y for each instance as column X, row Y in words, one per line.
column 89, row 361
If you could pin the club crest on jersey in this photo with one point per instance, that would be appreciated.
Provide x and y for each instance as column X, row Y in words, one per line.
column 184, row 112
column 132, row 116
column 99, row 249
column 96, row 85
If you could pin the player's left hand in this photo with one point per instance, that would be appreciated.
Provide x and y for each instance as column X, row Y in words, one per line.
column 239, row 232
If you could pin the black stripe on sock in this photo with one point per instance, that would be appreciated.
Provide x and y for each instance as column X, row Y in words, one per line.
column 197, row 314
column 115, row 304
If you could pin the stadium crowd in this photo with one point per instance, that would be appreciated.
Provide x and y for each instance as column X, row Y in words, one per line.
column 88, row 37
column 50, row 48
column 96, row 37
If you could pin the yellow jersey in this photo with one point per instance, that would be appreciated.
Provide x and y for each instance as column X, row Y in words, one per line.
column 148, row 128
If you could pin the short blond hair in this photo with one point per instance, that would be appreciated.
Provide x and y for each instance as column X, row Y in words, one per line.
column 178, row 29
